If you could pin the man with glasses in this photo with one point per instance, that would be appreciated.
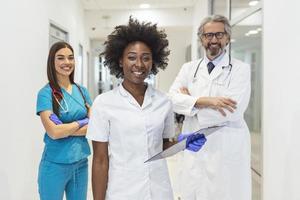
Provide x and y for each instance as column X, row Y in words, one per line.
column 212, row 91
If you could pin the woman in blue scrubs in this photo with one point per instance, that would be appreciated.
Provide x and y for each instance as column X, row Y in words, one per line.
column 63, row 107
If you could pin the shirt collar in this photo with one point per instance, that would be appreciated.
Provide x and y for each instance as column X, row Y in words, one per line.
column 124, row 92
column 215, row 61
column 148, row 94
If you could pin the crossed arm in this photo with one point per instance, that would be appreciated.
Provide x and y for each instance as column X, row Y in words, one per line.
column 62, row 130
column 212, row 110
column 217, row 103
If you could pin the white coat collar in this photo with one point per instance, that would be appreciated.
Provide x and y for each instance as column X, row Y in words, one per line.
column 224, row 61
column 215, row 61
column 150, row 92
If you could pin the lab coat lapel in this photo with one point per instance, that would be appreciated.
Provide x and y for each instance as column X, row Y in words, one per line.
column 217, row 71
column 147, row 99
column 127, row 95
column 148, row 96
column 203, row 70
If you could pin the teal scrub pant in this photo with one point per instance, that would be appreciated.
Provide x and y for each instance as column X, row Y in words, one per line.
column 55, row 178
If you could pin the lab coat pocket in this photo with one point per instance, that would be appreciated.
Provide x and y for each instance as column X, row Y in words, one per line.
column 218, row 88
column 221, row 83
column 233, row 145
column 120, row 178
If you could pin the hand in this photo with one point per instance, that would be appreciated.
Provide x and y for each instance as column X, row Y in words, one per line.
column 53, row 117
column 194, row 142
column 83, row 122
column 184, row 90
column 217, row 103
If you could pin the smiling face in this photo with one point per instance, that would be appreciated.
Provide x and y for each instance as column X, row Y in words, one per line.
column 136, row 62
column 214, row 46
column 64, row 63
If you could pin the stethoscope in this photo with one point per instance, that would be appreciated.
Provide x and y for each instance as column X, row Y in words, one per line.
column 65, row 108
column 223, row 67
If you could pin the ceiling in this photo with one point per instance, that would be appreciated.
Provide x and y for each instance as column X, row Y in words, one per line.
column 102, row 16
column 134, row 4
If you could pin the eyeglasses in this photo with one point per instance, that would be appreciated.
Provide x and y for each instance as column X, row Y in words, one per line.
column 218, row 35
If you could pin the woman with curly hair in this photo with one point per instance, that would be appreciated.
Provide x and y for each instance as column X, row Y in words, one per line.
column 129, row 123
column 134, row 121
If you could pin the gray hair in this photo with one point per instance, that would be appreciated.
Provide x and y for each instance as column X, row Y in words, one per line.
column 215, row 18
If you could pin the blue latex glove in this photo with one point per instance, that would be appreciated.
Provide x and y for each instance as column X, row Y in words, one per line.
column 53, row 117
column 83, row 122
column 194, row 142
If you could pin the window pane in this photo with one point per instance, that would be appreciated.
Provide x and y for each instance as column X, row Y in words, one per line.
column 246, row 45
column 220, row 7
column 240, row 6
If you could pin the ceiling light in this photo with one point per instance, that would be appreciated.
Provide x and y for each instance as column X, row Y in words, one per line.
column 253, row 3
column 144, row 5
column 253, row 32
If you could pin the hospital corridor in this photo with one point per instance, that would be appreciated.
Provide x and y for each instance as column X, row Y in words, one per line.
column 249, row 76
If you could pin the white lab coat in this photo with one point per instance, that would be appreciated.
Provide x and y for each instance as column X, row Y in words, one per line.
column 134, row 133
column 221, row 169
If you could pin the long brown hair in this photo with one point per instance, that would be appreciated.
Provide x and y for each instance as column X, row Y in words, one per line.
column 51, row 74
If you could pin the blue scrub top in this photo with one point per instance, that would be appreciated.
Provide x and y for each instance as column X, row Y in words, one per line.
column 73, row 148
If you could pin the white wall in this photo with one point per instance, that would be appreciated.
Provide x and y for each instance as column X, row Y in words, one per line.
column 200, row 11
column 179, row 39
column 23, row 55
column 281, row 100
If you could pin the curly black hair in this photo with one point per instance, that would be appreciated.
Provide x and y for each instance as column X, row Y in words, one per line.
column 145, row 32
